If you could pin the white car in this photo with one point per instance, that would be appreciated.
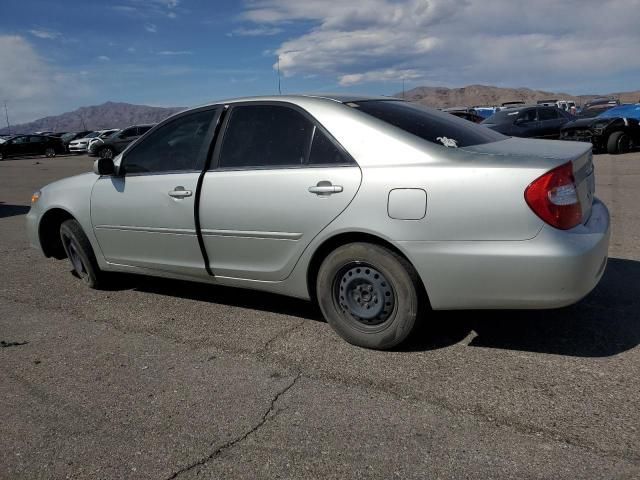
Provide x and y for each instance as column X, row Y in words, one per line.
column 81, row 145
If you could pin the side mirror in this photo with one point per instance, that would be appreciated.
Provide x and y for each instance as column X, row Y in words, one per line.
column 103, row 166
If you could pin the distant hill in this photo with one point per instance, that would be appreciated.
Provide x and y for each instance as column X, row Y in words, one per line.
column 107, row 115
column 475, row 95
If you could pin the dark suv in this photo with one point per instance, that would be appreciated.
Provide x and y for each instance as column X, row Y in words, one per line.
column 31, row 145
column 116, row 143
column 529, row 121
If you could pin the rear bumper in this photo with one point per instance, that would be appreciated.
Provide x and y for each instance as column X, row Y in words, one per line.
column 554, row 269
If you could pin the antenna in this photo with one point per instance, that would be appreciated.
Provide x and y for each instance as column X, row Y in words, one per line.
column 279, row 89
column 6, row 113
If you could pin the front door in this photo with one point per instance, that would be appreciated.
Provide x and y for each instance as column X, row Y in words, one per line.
column 278, row 179
column 144, row 217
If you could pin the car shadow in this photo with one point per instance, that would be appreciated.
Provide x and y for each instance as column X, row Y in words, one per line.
column 235, row 297
column 603, row 324
column 12, row 210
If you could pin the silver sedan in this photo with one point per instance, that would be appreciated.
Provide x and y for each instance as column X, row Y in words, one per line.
column 378, row 209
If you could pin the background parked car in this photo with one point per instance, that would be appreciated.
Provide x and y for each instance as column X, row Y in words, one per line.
column 112, row 145
column 612, row 135
column 529, row 121
column 466, row 113
column 31, row 145
column 67, row 138
column 81, row 145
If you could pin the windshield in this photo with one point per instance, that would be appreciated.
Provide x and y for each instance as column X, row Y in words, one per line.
column 427, row 123
column 594, row 112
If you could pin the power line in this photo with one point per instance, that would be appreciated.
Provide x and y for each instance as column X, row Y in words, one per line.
column 6, row 113
column 279, row 89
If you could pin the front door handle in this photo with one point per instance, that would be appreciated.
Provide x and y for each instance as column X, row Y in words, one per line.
column 180, row 192
column 325, row 188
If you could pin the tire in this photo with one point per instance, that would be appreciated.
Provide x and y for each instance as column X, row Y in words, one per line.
column 106, row 152
column 618, row 142
column 78, row 249
column 50, row 152
column 369, row 295
column 1, row 156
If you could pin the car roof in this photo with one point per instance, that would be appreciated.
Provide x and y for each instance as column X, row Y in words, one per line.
column 337, row 98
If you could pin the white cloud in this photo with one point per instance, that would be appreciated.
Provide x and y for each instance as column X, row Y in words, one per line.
column 456, row 42
column 146, row 8
column 256, row 32
column 45, row 34
column 104, row 58
column 175, row 52
column 32, row 87
column 150, row 27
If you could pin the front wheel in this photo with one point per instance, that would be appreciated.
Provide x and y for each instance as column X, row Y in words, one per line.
column 618, row 142
column 106, row 152
column 80, row 254
column 369, row 295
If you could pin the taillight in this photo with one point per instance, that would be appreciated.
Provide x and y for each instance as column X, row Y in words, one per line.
column 554, row 198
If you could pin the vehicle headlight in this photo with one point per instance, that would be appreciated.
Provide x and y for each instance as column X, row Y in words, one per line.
column 35, row 196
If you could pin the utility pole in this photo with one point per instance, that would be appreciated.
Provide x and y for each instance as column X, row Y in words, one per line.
column 6, row 113
column 403, row 88
column 84, row 127
column 279, row 89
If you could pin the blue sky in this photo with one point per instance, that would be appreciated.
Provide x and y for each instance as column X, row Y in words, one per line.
column 57, row 56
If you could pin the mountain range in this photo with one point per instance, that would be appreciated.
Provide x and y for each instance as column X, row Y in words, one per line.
column 120, row 115
column 107, row 115
column 476, row 95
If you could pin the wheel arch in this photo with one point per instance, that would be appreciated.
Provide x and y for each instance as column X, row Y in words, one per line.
column 331, row 243
column 49, row 232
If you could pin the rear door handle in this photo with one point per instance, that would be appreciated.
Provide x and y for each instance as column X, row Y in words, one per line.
column 325, row 188
column 180, row 192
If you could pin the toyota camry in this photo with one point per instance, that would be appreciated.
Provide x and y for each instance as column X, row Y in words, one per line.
column 379, row 210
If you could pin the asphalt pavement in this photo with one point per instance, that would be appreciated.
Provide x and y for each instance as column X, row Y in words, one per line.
column 164, row 379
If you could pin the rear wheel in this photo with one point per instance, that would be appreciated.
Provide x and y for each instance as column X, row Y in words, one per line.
column 78, row 249
column 50, row 152
column 106, row 152
column 618, row 142
column 369, row 295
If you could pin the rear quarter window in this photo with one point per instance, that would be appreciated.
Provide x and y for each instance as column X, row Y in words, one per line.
column 429, row 124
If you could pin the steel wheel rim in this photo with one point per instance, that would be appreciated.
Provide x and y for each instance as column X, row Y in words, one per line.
column 106, row 153
column 49, row 152
column 363, row 294
column 624, row 144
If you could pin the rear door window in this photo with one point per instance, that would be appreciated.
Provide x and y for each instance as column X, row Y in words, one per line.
column 429, row 124
column 265, row 136
column 547, row 114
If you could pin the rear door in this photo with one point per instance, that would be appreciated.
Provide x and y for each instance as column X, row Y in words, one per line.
column 277, row 179
column 550, row 122
column 145, row 217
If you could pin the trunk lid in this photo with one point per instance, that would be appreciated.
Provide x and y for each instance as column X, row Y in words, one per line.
column 547, row 154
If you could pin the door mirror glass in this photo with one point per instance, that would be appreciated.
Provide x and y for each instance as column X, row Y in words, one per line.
column 103, row 166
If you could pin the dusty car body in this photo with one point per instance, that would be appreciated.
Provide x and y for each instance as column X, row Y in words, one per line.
column 614, row 135
column 378, row 209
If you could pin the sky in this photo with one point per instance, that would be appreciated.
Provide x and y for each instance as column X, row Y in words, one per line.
column 58, row 55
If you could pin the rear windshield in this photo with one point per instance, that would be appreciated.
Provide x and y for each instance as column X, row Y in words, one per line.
column 429, row 124
column 504, row 116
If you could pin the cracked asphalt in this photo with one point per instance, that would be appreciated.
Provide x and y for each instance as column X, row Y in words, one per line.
column 162, row 379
